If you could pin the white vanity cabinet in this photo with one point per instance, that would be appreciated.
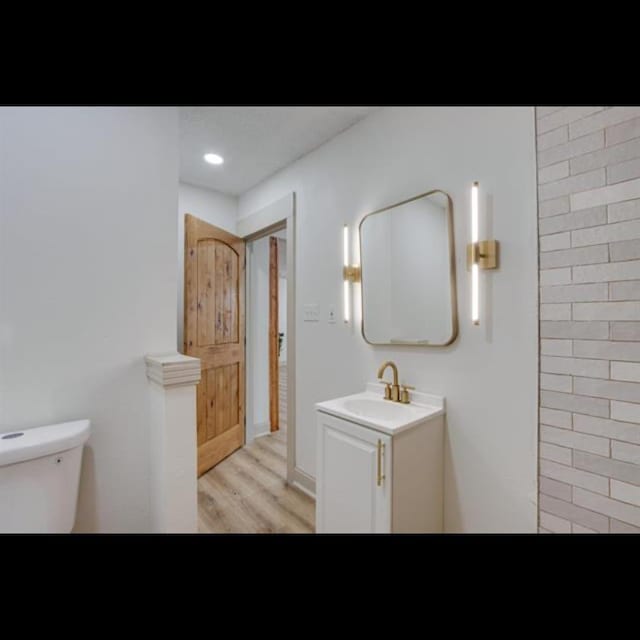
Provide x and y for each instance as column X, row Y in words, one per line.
column 352, row 480
column 378, row 476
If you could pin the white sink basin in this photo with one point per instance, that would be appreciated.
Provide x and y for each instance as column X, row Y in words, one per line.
column 372, row 410
column 376, row 409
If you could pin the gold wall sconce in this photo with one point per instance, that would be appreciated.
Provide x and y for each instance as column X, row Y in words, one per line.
column 350, row 274
column 481, row 254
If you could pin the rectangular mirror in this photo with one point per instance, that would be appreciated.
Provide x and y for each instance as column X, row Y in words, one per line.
column 408, row 273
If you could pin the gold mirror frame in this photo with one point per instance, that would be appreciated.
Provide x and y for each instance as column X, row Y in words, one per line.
column 452, row 273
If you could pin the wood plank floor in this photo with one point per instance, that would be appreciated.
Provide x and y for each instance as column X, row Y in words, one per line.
column 247, row 493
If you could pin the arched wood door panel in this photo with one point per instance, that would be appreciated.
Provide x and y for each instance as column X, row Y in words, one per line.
column 214, row 332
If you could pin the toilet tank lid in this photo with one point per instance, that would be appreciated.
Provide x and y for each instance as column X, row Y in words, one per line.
column 28, row 444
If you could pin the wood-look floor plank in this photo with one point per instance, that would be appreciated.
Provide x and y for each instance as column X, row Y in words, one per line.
column 294, row 527
column 247, row 493
column 261, row 455
column 299, row 511
column 262, row 476
column 231, row 513
column 300, row 504
column 228, row 482
column 267, row 443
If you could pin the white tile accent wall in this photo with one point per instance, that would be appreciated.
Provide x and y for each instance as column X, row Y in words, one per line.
column 589, row 229
column 563, row 116
column 555, row 418
column 629, row 371
column 558, row 152
column 572, row 220
column 555, row 242
column 618, row 527
column 616, row 134
column 625, row 451
column 620, row 211
column 555, row 206
column 556, row 347
column 553, row 138
column 554, row 453
column 585, row 197
column 574, row 440
column 604, row 117
column 556, row 489
column 626, row 492
column 626, row 411
column 554, row 524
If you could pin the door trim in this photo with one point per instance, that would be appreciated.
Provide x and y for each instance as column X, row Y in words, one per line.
column 277, row 215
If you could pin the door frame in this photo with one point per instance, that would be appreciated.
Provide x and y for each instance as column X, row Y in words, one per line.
column 262, row 222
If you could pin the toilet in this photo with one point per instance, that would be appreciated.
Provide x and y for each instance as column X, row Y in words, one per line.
column 40, row 476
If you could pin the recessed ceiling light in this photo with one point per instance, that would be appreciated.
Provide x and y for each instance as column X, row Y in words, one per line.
column 213, row 158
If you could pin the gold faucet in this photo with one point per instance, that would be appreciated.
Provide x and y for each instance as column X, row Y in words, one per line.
column 392, row 391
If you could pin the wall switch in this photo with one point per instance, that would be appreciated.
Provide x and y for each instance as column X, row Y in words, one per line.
column 332, row 314
column 311, row 313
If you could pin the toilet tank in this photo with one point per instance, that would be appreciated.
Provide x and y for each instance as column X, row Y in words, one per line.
column 40, row 476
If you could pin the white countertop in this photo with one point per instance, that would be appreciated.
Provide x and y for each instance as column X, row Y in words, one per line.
column 370, row 409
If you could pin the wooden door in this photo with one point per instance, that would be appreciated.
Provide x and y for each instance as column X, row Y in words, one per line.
column 214, row 331
column 353, row 478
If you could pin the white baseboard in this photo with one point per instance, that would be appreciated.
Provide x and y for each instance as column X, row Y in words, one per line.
column 304, row 482
column 261, row 429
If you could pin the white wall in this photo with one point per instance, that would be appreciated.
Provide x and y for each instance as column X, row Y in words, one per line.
column 213, row 207
column 489, row 375
column 88, row 286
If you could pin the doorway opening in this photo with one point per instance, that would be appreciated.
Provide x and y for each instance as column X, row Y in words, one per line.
column 266, row 335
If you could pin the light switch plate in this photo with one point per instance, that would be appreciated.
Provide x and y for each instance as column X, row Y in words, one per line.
column 332, row 314
column 311, row 313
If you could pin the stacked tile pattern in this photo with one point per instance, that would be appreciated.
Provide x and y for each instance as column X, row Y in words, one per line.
column 589, row 231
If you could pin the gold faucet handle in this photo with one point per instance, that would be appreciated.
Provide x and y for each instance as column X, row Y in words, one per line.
column 404, row 394
column 387, row 390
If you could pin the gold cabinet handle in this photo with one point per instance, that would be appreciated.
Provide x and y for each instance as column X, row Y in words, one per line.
column 380, row 452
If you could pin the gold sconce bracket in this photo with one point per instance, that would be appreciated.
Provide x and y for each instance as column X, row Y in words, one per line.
column 351, row 273
column 486, row 254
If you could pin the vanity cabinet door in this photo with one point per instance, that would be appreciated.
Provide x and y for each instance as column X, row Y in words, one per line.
column 353, row 480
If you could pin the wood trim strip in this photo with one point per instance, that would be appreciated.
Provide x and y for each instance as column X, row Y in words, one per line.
column 274, row 399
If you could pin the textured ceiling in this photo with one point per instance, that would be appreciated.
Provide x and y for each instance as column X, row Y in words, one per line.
column 255, row 142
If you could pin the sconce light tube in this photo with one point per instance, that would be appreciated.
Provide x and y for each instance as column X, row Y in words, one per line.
column 345, row 285
column 475, row 276
column 345, row 245
column 350, row 273
column 481, row 254
column 474, row 212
